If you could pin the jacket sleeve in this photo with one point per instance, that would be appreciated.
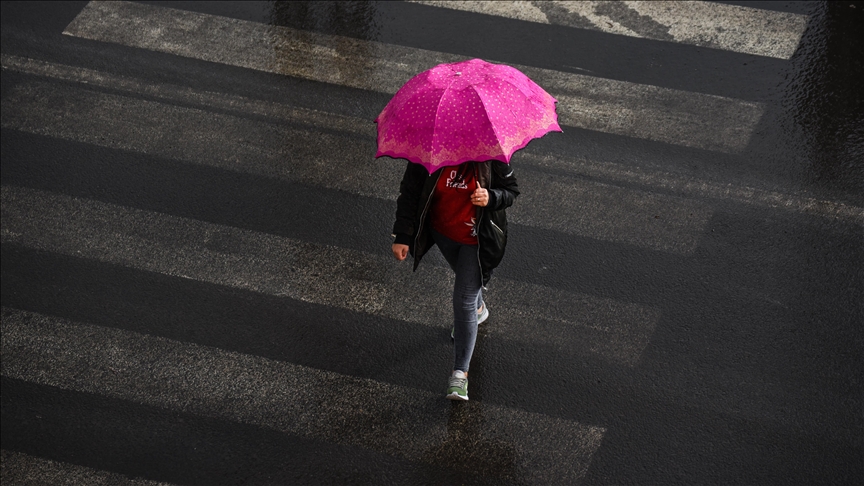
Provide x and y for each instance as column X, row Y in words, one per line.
column 504, row 189
column 406, row 204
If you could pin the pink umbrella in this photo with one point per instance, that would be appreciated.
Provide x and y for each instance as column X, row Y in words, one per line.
column 464, row 111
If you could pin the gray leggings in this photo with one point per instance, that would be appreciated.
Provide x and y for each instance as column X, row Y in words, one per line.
column 467, row 296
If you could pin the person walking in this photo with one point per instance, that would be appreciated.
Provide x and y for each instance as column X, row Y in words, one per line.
column 460, row 209
column 458, row 125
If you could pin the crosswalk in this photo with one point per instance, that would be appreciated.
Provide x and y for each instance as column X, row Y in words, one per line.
column 238, row 143
column 622, row 108
column 644, row 209
column 330, row 276
column 187, row 133
column 705, row 24
column 19, row 468
column 289, row 398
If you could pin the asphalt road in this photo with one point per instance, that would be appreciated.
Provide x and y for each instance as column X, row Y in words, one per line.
column 197, row 285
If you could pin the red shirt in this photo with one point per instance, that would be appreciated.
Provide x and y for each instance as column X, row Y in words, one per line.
column 452, row 213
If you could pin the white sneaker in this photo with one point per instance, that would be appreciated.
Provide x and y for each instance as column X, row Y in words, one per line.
column 458, row 386
column 483, row 314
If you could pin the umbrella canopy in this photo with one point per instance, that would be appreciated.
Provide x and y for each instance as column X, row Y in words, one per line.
column 464, row 111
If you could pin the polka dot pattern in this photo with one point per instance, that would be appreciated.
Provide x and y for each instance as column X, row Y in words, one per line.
column 465, row 111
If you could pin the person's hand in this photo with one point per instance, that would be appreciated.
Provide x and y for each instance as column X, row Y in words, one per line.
column 480, row 196
column 400, row 251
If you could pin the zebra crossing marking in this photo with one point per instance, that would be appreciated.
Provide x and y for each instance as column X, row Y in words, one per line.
column 706, row 24
column 649, row 112
column 337, row 277
column 696, row 188
column 690, row 186
column 570, row 205
column 20, row 468
column 285, row 397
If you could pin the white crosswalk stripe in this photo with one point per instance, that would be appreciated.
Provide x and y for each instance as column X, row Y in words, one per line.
column 20, row 468
column 706, row 24
column 650, row 112
column 353, row 280
column 694, row 187
column 289, row 398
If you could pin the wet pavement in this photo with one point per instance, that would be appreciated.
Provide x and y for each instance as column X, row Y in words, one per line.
column 197, row 285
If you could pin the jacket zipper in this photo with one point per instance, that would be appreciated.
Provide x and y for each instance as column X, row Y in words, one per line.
column 423, row 214
column 477, row 228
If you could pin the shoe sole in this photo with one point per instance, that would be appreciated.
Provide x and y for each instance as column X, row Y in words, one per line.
column 456, row 396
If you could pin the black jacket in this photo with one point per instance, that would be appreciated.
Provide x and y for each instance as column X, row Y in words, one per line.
column 415, row 196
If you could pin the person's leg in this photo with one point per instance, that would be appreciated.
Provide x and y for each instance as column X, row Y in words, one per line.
column 466, row 296
column 450, row 250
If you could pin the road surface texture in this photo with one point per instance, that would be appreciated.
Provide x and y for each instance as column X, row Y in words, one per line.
column 197, row 285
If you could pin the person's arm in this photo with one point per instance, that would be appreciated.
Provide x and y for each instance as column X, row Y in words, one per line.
column 406, row 209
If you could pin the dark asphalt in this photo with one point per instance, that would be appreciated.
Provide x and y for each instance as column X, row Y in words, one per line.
column 754, row 373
